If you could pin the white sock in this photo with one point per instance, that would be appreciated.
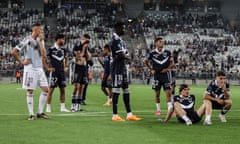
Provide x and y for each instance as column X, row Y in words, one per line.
column 73, row 106
column 129, row 114
column 42, row 101
column 30, row 104
column 48, row 105
column 158, row 106
column 208, row 118
column 62, row 105
column 169, row 105
column 78, row 107
column 185, row 118
column 108, row 99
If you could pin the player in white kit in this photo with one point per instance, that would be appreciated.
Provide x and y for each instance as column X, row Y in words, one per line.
column 34, row 75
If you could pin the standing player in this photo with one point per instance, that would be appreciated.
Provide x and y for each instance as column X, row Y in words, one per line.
column 119, row 74
column 80, row 57
column 174, row 70
column 106, row 85
column 161, row 64
column 84, row 93
column 59, row 61
column 218, row 97
column 34, row 57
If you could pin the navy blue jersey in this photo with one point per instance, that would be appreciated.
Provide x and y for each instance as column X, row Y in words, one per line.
column 106, row 65
column 215, row 91
column 159, row 60
column 118, row 49
column 186, row 103
column 57, row 56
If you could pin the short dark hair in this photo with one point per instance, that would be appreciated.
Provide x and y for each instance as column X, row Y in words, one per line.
column 87, row 36
column 182, row 86
column 118, row 25
column 107, row 47
column 36, row 24
column 59, row 36
column 220, row 73
column 157, row 39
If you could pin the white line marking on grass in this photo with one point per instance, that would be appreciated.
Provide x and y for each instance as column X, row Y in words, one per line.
column 103, row 113
column 20, row 88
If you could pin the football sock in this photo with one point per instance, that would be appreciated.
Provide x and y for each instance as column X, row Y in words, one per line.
column 48, row 105
column 30, row 103
column 78, row 99
column 126, row 100
column 74, row 101
column 78, row 107
column 169, row 105
column 129, row 114
column 208, row 117
column 42, row 101
column 185, row 118
column 62, row 105
column 115, row 102
column 158, row 106
column 224, row 111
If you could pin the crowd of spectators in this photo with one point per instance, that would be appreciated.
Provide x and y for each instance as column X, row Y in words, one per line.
column 14, row 24
column 204, row 42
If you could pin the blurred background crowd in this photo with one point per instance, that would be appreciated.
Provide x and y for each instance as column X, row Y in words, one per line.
column 203, row 36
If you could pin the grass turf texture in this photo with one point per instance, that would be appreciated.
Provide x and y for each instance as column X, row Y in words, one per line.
column 95, row 125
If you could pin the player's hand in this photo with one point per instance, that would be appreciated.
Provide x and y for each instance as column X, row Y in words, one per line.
column 152, row 71
column 65, row 69
column 109, row 78
column 223, row 86
column 26, row 62
column 41, row 36
column 52, row 69
column 220, row 101
column 164, row 70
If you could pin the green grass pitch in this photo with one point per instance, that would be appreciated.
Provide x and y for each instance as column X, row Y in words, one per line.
column 94, row 126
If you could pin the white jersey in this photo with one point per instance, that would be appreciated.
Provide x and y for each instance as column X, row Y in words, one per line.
column 31, row 50
column 33, row 75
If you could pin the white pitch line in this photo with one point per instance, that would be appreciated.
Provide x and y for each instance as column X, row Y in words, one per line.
column 102, row 114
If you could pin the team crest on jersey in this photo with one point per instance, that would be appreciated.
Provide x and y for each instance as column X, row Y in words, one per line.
column 155, row 55
column 164, row 54
column 190, row 100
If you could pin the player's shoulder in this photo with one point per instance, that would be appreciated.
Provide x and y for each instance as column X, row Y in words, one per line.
column 77, row 44
column 52, row 47
column 153, row 51
column 176, row 97
column 115, row 39
column 167, row 51
column 192, row 95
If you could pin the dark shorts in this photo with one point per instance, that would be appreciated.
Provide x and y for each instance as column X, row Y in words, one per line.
column 193, row 116
column 119, row 80
column 106, row 83
column 173, row 79
column 57, row 79
column 216, row 105
column 79, row 74
column 162, row 79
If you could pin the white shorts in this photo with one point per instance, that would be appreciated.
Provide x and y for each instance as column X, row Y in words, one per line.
column 32, row 78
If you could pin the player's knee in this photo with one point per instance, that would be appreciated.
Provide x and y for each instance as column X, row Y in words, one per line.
column 29, row 92
column 116, row 90
column 228, row 102
column 126, row 91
